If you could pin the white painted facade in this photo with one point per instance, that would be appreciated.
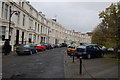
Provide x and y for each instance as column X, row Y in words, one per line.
column 31, row 26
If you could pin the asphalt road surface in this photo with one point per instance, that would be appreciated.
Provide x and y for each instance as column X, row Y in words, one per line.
column 45, row 64
column 54, row 63
column 0, row 65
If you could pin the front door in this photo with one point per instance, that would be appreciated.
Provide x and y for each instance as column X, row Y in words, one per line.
column 22, row 37
column 17, row 36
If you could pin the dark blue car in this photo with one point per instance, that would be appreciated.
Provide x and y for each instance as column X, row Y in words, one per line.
column 26, row 49
column 89, row 51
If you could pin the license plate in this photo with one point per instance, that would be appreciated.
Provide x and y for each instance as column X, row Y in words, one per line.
column 79, row 53
column 21, row 51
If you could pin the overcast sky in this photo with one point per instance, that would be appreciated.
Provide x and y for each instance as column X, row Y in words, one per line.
column 80, row 16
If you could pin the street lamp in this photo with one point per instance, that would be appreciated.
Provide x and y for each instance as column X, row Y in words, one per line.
column 7, row 44
column 11, row 13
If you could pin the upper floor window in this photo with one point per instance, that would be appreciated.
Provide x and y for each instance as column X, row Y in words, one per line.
column 30, row 23
column 23, row 20
column 41, row 29
column 31, row 10
column 35, row 26
column 2, row 8
column 22, row 4
column 38, row 27
column 42, row 20
column 6, row 11
column 18, row 18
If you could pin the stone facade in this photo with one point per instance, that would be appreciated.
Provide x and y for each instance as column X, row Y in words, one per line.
column 31, row 26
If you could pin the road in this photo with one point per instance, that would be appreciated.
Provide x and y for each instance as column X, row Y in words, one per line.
column 54, row 63
column 0, row 65
column 45, row 64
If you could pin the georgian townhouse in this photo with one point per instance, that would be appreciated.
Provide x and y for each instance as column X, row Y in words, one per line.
column 27, row 24
column 31, row 26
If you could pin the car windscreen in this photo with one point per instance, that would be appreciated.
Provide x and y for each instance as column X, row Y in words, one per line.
column 45, row 44
column 38, row 45
column 81, row 48
column 71, row 46
column 25, row 46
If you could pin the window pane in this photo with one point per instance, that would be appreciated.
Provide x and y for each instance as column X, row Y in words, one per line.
column 2, row 8
column 23, row 20
column 6, row 11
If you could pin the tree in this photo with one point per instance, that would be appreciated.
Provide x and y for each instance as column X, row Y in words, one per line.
column 98, row 36
column 111, row 24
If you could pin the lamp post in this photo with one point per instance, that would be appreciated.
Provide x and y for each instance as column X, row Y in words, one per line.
column 7, row 44
column 11, row 13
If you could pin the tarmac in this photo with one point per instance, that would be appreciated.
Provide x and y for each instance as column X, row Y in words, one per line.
column 0, row 62
column 97, row 68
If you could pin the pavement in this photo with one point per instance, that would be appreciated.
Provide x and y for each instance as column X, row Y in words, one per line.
column 97, row 68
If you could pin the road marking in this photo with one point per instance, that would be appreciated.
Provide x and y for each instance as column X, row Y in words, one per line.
column 39, row 63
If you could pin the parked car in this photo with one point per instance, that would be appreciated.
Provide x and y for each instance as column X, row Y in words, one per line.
column 89, row 51
column 103, row 48
column 110, row 49
column 57, row 45
column 71, row 49
column 52, row 46
column 26, row 49
column 16, row 46
column 48, row 46
column 63, row 45
column 40, row 47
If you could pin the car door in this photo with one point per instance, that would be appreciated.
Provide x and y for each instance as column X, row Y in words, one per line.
column 99, row 51
column 90, row 50
column 96, row 50
column 32, row 48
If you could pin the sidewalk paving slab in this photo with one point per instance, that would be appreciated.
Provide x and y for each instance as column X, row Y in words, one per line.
column 91, row 68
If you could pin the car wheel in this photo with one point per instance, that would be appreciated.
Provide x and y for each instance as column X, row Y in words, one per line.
column 78, row 56
column 102, row 55
column 31, row 52
column 18, row 54
column 36, row 51
column 44, row 49
column 89, row 56
column 68, row 54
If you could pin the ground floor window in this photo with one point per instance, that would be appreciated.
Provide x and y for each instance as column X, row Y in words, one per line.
column 2, row 33
column 30, row 38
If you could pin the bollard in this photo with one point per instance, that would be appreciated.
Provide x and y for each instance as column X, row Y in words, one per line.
column 73, row 57
column 80, row 65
